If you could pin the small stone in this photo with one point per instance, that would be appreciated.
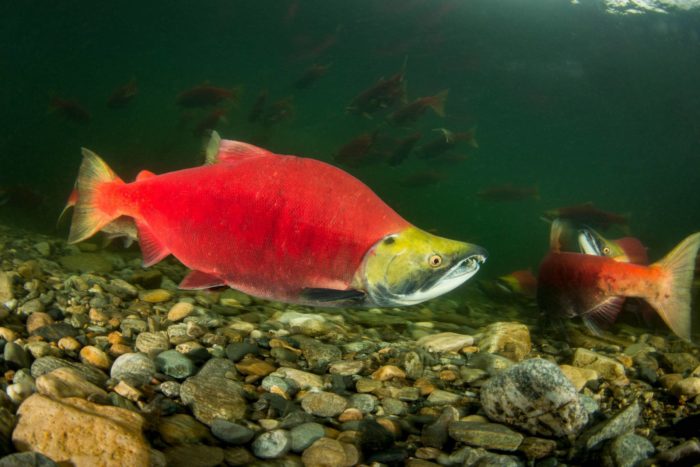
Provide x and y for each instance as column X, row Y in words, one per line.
column 537, row 448
column 393, row 406
column 67, row 382
column 578, row 376
column 255, row 367
column 213, row 397
column 170, row 389
column 278, row 385
column 445, row 342
column 237, row 350
column 7, row 334
column 135, row 368
column 56, row 331
column 346, row 367
column 182, row 429
column 180, row 311
column 622, row 422
column 688, row 387
column 319, row 355
column 486, row 435
column 155, row 295
column 669, row 380
column 174, row 364
column 681, row 362
column 365, row 385
column 234, row 298
column 442, row 397
column 44, row 365
column 324, row 404
column 121, row 288
column 365, row 403
column 194, row 455
column 351, row 414
column 127, row 391
column 272, row 444
column 69, row 344
column 58, row 430
column 536, row 396
column 303, row 379
column 302, row 436
column 27, row 459
column 91, row 355
column 238, row 456
column 326, row 452
column 311, row 325
column 37, row 320
column 608, row 368
column 231, row 433
column 16, row 355
column 627, row 450
column 86, row 262
column 511, row 340
column 387, row 372
column 6, row 291
column 413, row 363
column 39, row 349
column 30, row 307
column 152, row 343
column 436, row 434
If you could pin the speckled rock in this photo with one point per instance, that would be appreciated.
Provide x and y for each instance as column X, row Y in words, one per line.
column 608, row 368
column 485, row 435
column 627, row 450
column 58, row 430
column 445, row 342
column 324, row 404
column 272, row 444
column 511, row 340
column 213, row 397
column 319, row 355
column 621, row 423
column 175, row 364
column 303, row 379
column 302, row 436
column 136, row 368
column 536, row 396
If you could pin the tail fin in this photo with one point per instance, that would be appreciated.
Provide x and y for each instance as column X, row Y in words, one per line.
column 437, row 102
column 673, row 301
column 72, row 201
column 88, row 217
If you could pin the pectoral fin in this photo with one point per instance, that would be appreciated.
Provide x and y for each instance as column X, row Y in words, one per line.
column 332, row 295
column 196, row 280
column 603, row 314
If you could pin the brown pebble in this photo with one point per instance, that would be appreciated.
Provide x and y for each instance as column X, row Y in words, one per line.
column 8, row 334
column 279, row 343
column 425, row 386
column 390, row 425
column 38, row 320
column 69, row 344
column 350, row 414
column 349, row 436
column 669, row 380
column 127, row 391
column 91, row 355
column 119, row 349
column 388, row 372
column 98, row 316
column 155, row 295
column 448, row 375
column 364, row 385
column 180, row 311
column 115, row 337
column 254, row 366
column 626, row 360
column 427, row 453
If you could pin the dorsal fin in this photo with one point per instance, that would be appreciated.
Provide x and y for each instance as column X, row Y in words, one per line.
column 222, row 150
column 144, row 174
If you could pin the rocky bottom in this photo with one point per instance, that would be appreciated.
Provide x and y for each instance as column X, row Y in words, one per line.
column 107, row 363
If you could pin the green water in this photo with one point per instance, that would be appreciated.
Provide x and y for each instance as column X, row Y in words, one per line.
column 585, row 105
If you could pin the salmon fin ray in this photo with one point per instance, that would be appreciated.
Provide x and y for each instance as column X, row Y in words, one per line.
column 225, row 150
column 196, row 280
column 603, row 314
column 144, row 175
column 322, row 295
column 211, row 148
column 152, row 249
column 88, row 217
column 672, row 302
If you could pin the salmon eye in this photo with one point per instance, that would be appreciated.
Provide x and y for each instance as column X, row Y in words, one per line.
column 606, row 250
column 435, row 260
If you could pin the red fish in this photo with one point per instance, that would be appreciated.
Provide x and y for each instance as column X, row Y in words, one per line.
column 522, row 282
column 446, row 141
column 411, row 111
column 278, row 227
column 595, row 287
column 70, row 110
column 509, row 192
column 123, row 95
column 204, row 95
column 587, row 213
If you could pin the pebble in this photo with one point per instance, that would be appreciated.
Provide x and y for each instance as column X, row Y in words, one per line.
column 234, row 298
column 230, row 432
column 56, row 331
column 319, row 355
column 240, row 456
column 6, row 291
column 196, row 455
column 679, row 362
column 27, row 459
column 58, row 430
column 436, row 434
column 272, row 444
column 236, row 351
column 346, row 367
column 182, row 429
column 70, row 344
column 608, row 368
column 155, row 295
column 255, row 367
column 511, row 340
column 413, row 363
column 622, row 422
column 67, row 382
column 536, row 396
column 304, row 435
column 486, row 435
column 578, row 376
column 136, row 368
column 388, row 372
column 121, row 288
column 38, row 319
column 365, row 403
column 180, row 311
column 127, row 391
column 302, row 379
column 445, row 342
column 152, row 343
column 91, row 355
column 212, row 397
column 688, row 387
column 16, row 355
column 30, row 307
column 7, row 334
column 537, row 448
column 175, row 364
column 324, row 404
column 627, row 450
column 442, row 397
column 326, row 452
column 44, row 365
column 170, row 388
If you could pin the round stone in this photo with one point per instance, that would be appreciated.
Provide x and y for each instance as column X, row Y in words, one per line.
column 174, row 364
column 305, row 434
column 324, row 404
column 136, row 368
column 180, row 311
column 272, row 444
column 231, row 433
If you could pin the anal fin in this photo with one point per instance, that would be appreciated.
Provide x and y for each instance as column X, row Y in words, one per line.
column 196, row 280
column 332, row 295
column 152, row 249
column 603, row 314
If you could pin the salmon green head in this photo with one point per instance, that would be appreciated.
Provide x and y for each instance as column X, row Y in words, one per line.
column 413, row 266
column 592, row 243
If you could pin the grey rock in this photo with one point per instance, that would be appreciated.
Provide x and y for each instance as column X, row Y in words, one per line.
column 31, row 306
column 231, row 433
column 393, row 406
column 272, row 381
column 170, row 388
column 490, row 363
column 15, row 354
column 134, row 368
column 272, row 444
column 413, row 364
column 304, row 435
column 175, row 364
column 213, row 397
column 236, row 351
column 55, row 331
column 485, row 435
column 44, row 365
column 27, row 459
column 121, row 288
column 217, row 367
column 435, row 435
column 324, row 404
column 621, row 423
column 319, row 355
column 131, row 326
column 536, row 396
column 627, row 450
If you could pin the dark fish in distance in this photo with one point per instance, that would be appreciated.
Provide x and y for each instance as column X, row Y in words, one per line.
column 588, row 214
column 205, row 95
column 278, row 111
column 70, row 110
column 123, row 95
column 256, row 111
column 384, row 94
column 413, row 110
column 311, row 75
column 422, row 178
column 357, row 151
column 403, row 149
column 509, row 192
column 522, row 282
column 595, row 287
column 20, row 196
column 210, row 121
column 446, row 141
